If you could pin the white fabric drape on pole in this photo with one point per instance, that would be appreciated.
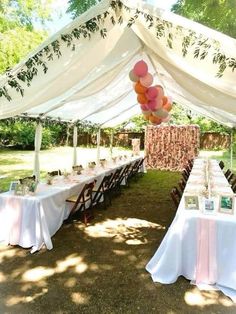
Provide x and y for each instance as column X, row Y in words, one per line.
column 231, row 149
column 111, row 142
column 37, row 147
column 98, row 144
column 75, row 139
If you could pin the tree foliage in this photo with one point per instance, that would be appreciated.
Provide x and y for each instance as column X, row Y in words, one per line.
column 17, row 34
column 77, row 7
column 216, row 14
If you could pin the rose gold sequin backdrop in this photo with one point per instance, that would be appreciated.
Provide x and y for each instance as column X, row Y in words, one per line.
column 169, row 147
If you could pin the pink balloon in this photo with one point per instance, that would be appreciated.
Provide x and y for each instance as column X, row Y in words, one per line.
column 133, row 77
column 147, row 80
column 140, row 69
column 144, row 107
column 159, row 103
column 160, row 91
column 151, row 93
column 152, row 104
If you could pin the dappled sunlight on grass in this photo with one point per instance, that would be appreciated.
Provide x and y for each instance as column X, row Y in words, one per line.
column 196, row 297
column 14, row 300
column 37, row 274
column 122, row 229
column 79, row 298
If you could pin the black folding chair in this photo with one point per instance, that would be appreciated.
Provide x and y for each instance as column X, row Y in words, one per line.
column 82, row 207
column 103, row 191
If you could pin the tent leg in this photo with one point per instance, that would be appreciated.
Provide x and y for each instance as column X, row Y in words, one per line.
column 37, row 147
column 75, row 139
column 111, row 142
column 231, row 150
column 98, row 144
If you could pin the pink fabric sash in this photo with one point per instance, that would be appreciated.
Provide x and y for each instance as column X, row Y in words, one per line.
column 206, row 269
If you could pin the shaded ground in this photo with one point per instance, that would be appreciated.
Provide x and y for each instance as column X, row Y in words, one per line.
column 101, row 268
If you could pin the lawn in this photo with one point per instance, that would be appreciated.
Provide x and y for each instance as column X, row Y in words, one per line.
column 16, row 164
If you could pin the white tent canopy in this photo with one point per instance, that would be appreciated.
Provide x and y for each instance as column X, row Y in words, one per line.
column 92, row 83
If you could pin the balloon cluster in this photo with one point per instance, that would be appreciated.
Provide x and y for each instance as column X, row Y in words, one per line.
column 154, row 104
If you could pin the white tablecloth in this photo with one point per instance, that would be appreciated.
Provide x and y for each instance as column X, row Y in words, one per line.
column 177, row 254
column 31, row 221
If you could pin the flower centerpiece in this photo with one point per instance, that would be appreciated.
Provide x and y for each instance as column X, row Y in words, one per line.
column 102, row 162
column 91, row 164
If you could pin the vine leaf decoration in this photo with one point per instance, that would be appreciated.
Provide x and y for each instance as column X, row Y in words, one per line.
column 199, row 46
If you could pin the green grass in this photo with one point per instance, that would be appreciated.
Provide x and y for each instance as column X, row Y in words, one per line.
column 15, row 164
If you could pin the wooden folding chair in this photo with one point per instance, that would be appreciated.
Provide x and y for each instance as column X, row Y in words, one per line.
column 227, row 173
column 103, row 191
column 221, row 164
column 82, row 204
column 176, row 196
column 182, row 185
column 115, row 184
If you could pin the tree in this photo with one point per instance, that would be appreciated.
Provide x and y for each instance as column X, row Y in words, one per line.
column 77, row 7
column 216, row 14
column 17, row 34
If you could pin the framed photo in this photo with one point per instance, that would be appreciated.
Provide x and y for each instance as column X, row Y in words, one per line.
column 208, row 205
column 13, row 185
column 226, row 203
column 191, row 202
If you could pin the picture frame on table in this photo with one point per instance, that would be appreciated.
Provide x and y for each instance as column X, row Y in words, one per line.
column 191, row 202
column 13, row 185
column 226, row 203
column 209, row 206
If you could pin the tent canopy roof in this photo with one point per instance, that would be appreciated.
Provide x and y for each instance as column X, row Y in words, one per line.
column 92, row 82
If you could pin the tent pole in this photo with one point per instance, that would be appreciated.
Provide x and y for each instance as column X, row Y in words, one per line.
column 111, row 142
column 37, row 146
column 231, row 149
column 98, row 144
column 75, row 139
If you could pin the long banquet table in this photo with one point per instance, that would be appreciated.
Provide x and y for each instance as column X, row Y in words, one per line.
column 31, row 221
column 199, row 246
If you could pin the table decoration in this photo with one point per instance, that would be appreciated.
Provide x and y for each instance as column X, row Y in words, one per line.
column 77, row 169
column 91, row 164
column 226, row 203
column 191, row 202
column 102, row 162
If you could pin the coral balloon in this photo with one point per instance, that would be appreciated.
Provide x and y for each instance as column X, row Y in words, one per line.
column 152, row 105
column 155, row 120
column 151, row 93
column 142, row 99
column 161, row 113
column 165, row 100
column 167, row 106
column 147, row 80
column 140, row 69
column 139, row 88
column 133, row 77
